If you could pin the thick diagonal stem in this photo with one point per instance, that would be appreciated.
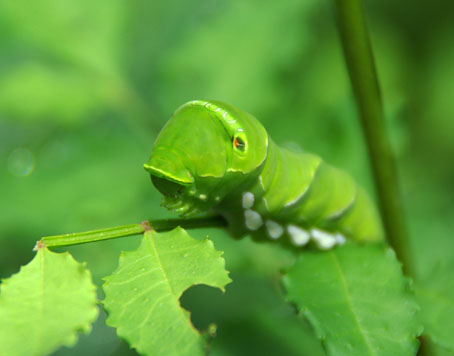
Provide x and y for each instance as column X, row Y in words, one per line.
column 360, row 62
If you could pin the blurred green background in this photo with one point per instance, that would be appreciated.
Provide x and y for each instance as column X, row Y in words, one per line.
column 86, row 85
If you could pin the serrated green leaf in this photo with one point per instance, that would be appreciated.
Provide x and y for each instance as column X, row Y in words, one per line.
column 44, row 305
column 142, row 295
column 357, row 300
column 436, row 298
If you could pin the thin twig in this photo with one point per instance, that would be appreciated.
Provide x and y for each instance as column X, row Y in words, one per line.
column 128, row 230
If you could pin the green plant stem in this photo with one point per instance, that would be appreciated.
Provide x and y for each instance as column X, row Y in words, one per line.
column 128, row 230
column 363, row 76
column 360, row 62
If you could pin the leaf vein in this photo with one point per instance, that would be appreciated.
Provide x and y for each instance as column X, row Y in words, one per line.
column 348, row 299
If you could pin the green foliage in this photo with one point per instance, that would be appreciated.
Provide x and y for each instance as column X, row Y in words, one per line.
column 47, row 94
column 436, row 297
column 44, row 305
column 142, row 295
column 85, row 85
column 357, row 300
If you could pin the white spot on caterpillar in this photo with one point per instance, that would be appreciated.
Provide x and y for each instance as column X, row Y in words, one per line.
column 298, row 236
column 274, row 229
column 340, row 239
column 224, row 114
column 324, row 240
column 247, row 200
column 217, row 199
column 203, row 197
column 253, row 220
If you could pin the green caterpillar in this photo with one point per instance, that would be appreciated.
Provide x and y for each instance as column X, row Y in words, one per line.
column 212, row 156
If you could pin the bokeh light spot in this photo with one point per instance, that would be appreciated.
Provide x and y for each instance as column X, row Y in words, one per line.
column 21, row 162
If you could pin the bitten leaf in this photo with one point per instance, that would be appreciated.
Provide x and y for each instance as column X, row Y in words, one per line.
column 142, row 295
column 356, row 299
column 44, row 305
column 436, row 297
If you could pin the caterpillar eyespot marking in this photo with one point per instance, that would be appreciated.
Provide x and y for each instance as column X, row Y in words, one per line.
column 263, row 190
column 239, row 143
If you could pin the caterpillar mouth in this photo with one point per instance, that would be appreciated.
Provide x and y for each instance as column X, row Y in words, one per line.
column 170, row 177
column 167, row 187
column 175, row 198
column 180, row 206
column 175, row 194
column 171, row 171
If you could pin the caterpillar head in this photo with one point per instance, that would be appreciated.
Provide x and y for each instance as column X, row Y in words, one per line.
column 205, row 151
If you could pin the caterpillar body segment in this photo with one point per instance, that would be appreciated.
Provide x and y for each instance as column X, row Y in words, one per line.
column 211, row 156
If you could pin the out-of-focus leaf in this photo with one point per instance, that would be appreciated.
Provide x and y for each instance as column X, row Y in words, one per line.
column 37, row 92
column 357, row 300
column 64, row 69
column 85, row 32
column 436, row 297
column 252, row 318
column 142, row 295
column 241, row 59
column 44, row 305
